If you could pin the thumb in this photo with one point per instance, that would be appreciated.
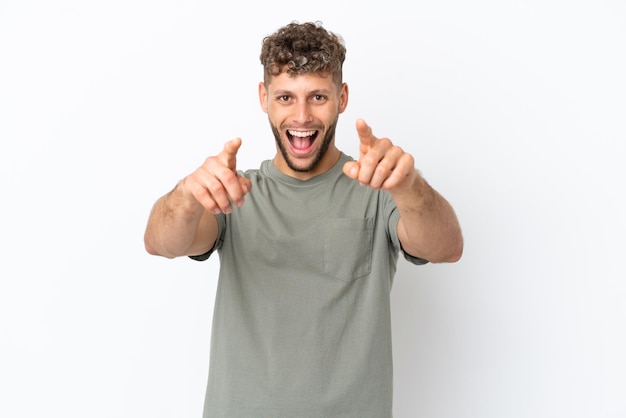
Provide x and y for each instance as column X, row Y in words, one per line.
column 351, row 169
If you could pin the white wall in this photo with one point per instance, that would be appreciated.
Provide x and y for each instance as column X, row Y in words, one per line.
column 514, row 110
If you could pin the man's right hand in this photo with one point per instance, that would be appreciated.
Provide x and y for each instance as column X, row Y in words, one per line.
column 216, row 185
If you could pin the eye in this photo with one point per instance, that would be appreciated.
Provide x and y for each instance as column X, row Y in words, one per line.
column 283, row 98
column 319, row 98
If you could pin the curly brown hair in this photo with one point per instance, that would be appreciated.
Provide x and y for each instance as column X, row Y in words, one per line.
column 303, row 48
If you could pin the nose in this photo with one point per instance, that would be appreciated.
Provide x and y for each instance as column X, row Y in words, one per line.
column 303, row 113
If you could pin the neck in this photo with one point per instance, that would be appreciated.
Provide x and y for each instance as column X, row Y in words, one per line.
column 326, row 163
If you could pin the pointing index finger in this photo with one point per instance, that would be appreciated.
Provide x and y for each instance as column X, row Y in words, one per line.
column 232, row 146
column 229, row 152
column 366, row 136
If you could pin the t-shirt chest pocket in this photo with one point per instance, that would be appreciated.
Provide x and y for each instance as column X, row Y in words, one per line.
column 347, row 248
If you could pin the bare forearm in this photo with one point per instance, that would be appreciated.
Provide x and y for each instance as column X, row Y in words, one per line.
column 428, row 226
column 173, row 224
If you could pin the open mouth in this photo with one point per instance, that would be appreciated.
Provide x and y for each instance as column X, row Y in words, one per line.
column 301, row 141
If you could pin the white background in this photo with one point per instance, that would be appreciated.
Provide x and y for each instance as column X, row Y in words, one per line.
column 514, row 110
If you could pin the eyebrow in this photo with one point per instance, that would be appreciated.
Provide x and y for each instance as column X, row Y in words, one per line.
column 324, row 92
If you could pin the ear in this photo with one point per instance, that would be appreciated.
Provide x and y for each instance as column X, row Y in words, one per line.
column 343, row 98
column 263, row 96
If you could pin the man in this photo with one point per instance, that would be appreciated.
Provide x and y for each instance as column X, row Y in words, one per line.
column 308, row 245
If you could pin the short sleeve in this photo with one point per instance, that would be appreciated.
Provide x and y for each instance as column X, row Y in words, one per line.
column 394, row 218
column 221, row 228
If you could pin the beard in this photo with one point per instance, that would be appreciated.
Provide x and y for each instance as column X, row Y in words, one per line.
column 321, row 152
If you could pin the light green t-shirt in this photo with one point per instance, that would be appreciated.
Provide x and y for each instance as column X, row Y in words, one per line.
column 302, row 325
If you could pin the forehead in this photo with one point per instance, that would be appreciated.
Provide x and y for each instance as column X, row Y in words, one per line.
column 302, row 83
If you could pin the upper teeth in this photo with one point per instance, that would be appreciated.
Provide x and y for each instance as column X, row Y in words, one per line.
column 301, row 134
